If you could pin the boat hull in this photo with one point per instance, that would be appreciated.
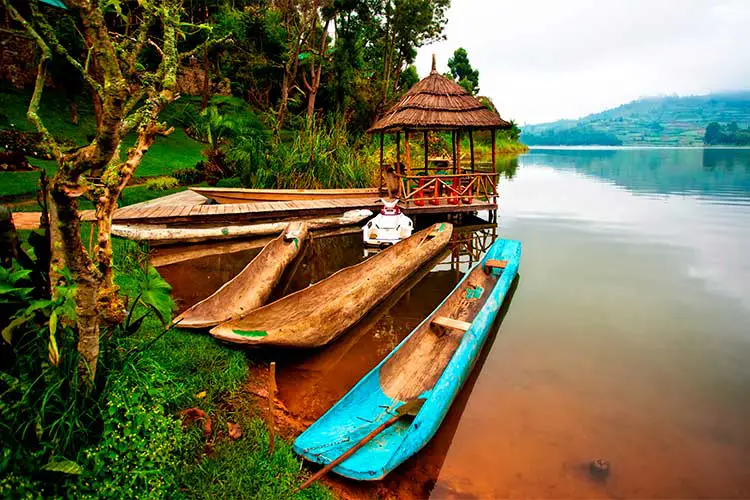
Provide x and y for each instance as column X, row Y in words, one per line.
column 362, row 408
column 316, row 315
column 239, row 195
column 157, row 236
column 252, row 287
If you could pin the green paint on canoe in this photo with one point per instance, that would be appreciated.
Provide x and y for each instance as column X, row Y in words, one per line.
column 474, row 293
column 251, row 333
column 224, row 231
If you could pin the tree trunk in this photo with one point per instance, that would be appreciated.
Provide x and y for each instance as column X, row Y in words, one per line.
column 206, row 79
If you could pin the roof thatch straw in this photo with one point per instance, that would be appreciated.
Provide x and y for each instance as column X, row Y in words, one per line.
column 438, row 103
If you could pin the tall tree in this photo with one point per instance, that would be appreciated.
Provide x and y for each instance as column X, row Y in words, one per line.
column 462, row 72
column 132, row 94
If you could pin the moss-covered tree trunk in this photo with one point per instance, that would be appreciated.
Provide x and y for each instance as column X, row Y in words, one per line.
column 119, row 84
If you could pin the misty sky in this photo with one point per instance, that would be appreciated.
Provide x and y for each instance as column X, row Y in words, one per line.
column 542, row 60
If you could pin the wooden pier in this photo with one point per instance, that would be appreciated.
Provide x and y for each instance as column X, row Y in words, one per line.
column 188, row 208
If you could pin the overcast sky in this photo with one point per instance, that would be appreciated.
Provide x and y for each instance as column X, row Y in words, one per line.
column 542, row 60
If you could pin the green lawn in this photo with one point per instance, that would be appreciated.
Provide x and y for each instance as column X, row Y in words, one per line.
column 168, row 154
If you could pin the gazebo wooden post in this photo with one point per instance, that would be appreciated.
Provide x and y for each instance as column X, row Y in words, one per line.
column 471, row 148
column 407, row 152
column 458, row 151
column 494, row 166
column 398, row 152
column 453, row 149
column 425, row 152
column 380, row 187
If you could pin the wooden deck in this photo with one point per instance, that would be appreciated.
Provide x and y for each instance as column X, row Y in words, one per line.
column 190, row 208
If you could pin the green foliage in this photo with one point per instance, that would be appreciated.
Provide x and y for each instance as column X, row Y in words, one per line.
column 218, row 477
column 140, row 441
column 658, row 121
column 729, row 135
column 162, row 183
column 320, row 158
column 574, row 136
column 462, row 72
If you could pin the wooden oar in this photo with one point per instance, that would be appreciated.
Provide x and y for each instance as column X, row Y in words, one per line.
column 408, row 409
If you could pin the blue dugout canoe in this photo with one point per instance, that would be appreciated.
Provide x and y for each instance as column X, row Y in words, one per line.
column 432, row 362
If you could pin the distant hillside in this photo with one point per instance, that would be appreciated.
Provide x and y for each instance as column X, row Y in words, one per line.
column 655, row 121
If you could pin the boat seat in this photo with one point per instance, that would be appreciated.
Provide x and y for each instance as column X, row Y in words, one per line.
column 491, row 264
column 445, row 322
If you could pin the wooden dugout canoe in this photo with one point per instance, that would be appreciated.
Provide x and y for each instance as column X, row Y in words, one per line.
column 318, row 314
column 431, row 363
column 162, row 235
column 251, row 288
column 240, row 195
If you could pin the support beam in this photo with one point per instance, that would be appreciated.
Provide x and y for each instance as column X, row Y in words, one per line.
column 446, row 322
column 426, row 152
column 494, row 165
column 398, row 152
column 471, row 148
column 458, row 151
column 407, row 152
column 453, row 149
column 380, row 188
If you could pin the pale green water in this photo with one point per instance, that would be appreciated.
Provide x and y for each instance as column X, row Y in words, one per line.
column 628, row 337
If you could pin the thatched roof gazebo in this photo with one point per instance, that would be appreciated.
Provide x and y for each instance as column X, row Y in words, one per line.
column 437, row 103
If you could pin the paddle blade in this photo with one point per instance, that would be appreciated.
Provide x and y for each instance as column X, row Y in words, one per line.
column 411, row 407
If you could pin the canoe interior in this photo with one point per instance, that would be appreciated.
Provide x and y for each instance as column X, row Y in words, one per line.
column 420, row 361
column 431, row 362
column 252, row 286
column 339, row 300
column 239, row 195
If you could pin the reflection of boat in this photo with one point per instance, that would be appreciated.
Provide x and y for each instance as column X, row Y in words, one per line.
column 251, row 288
column 317, row 314
column 431, row 363
column 162, row 235
column 388, row 227
column 240, row 195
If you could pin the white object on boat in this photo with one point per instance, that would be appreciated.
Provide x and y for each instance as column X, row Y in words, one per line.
column 388, row 227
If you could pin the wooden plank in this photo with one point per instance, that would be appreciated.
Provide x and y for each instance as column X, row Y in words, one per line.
column 451, row 323
column 495, row 263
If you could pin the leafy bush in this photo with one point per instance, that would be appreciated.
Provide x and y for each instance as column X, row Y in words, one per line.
column 190, row 176
column 162, row 183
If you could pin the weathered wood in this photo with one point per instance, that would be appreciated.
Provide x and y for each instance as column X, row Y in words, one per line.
column 380, row 186
column 458, row 152
column 494, row 163
column 431, row 363
column 495, row 263
column 451, row 323
column 241, row 195
column 314, row 316
column 398, row 151
column 471, row 148
column 407, row 151
column 251, row 288
column 159, row 234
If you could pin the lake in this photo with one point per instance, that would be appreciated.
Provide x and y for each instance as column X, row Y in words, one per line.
column 626, row 337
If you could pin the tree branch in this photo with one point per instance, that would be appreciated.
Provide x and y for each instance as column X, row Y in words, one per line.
column 49, row 34
column 33, row 112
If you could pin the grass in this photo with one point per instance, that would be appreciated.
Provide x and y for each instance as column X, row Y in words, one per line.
column 168, row 154
column 210, row 376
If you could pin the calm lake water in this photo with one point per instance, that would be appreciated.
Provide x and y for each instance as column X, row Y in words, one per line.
column 626, row 338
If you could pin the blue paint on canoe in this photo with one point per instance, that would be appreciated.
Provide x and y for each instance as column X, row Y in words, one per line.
column 365, row 406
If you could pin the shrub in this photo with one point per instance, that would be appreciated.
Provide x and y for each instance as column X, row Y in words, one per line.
column 162, row 183
column 190, row 176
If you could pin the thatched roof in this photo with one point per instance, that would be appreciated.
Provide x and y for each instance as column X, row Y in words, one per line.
column 438, row 103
